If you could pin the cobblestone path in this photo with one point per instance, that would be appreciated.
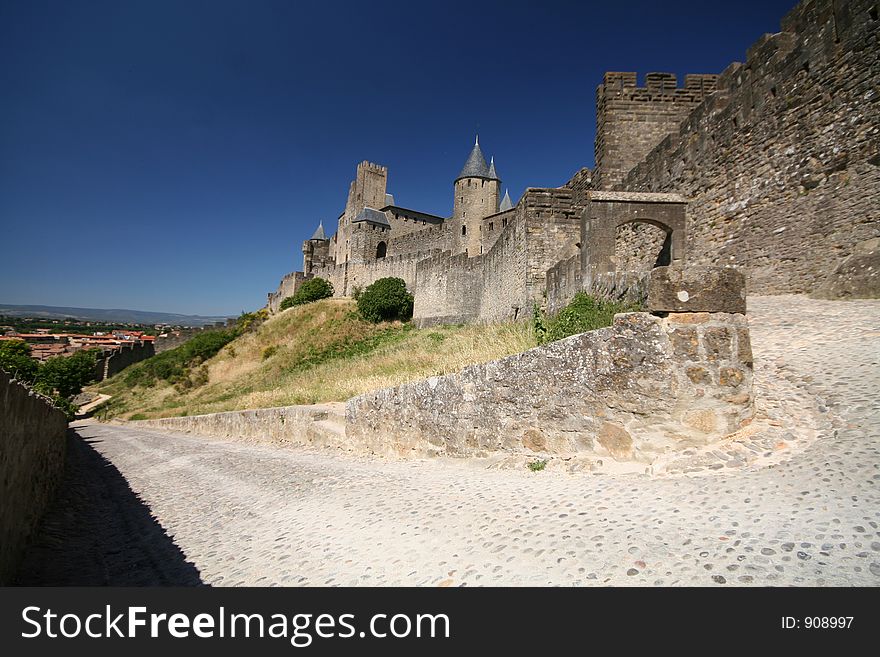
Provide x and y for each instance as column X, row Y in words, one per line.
column 804, row 512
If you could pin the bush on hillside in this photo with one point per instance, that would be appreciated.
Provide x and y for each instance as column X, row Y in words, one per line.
column 65, row 376
column 250, row 321
column 15, row 358
column 313, row 289
column 386, row 300
column 174, row 365
column 177, row 365
column 584, row 313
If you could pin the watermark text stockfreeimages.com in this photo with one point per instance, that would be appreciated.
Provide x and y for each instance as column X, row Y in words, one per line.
column 300, row 629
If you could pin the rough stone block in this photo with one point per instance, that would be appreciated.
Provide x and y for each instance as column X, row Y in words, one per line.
column 689, row 318
column 717, row 343
column 730, row 376
column 685, row 341
column 696, row 289
column 698, row 375
column 744, row 346
column 616, row 440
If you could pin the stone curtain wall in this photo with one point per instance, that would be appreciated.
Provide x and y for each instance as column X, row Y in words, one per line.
column 287, row 288
column 32, row 449
column 424, row 240
column 632, row 120
column 363, row 274
column 492, row 227
column 553, row 229
column 506, row 282
column 350, row 274
column 503, row 290
column 175, row 339
column 782, row 167
column 634, row 391
column 124, row 356
column 580, row 184
column 447, row 289
column 563, row 281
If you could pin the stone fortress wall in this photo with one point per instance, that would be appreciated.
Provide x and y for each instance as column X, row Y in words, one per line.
column 120, row 358
column 32, row 449
column 781, row 166
column 628, row 397
column 649, row 385
column 776, row 159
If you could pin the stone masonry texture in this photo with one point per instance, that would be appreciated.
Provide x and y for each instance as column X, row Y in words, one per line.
column 641, row 388
column 773, row 166
column 782, row 164
column 32, row 448
column 794, row 504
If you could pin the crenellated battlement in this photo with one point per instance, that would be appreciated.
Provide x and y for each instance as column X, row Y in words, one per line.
column 777, row 160
column 372, row 166
column 631, row 120
column 658, row 86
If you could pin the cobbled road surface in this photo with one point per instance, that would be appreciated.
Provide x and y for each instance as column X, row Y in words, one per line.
column 149, row 507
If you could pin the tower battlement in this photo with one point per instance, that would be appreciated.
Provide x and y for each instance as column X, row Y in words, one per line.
column 631, row 120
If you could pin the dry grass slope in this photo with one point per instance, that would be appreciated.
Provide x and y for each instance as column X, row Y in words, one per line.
column 316, row 353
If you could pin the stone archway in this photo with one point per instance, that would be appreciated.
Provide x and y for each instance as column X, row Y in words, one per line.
column 607, row 212
column 381, row 250
column 642, row 245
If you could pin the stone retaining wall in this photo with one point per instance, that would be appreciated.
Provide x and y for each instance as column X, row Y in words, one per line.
column 643, row 387
column 319, row 425
column 32, row 449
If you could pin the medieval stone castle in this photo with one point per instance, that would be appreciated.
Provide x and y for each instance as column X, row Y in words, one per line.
column 772, row 166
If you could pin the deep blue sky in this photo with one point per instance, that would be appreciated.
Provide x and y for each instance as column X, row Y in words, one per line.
column 172, row 155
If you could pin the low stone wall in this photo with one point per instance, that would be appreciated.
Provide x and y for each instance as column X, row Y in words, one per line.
column 319, row 425
column 643, row 387
column 646, row 386
column 32, row 449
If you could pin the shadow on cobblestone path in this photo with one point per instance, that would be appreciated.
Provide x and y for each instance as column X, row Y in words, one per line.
column 98, row 532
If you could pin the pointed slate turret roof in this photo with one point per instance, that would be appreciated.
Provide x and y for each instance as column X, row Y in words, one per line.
column 319, row 233
column 492, row 173
column 475, row 167
column 505, row 203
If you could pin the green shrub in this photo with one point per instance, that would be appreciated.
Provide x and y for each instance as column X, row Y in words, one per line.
column 174, row 365
column 313, row 289
column 65, row 376
column 584, row 313
column 537, row 465
column 249, row 321
column 15, row 358
column 386, row 300
column 356, row 292
column 65, row 405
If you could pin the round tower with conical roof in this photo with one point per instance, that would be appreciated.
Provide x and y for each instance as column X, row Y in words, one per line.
column 316, row 249
column 477, row 190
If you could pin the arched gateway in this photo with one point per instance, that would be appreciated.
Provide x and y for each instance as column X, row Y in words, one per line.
column 606, row 212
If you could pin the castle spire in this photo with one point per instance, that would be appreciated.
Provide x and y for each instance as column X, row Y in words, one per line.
column 506, row 203
column 319, row 233
column 492, row 174
column 475, row 167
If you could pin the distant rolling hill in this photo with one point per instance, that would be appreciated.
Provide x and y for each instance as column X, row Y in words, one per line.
column 112, row 315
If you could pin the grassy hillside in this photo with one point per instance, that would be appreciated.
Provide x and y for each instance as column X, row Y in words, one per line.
column 309, row 354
